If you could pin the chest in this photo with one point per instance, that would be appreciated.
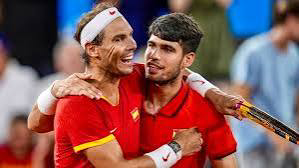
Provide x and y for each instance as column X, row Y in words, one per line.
column 160, row 129
column 124, row 122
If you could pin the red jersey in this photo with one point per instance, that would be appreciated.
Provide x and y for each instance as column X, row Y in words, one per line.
column 9, row 160
column 188, row 109
column 82, row 123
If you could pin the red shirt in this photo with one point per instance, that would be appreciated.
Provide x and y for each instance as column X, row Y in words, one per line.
column 9, row 160
column 82, row 123
column 188, row 109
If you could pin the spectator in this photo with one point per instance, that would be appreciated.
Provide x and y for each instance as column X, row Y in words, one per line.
column 18, row 150
column 265, row 70
column 16, row 86
column 67, row 61
column 217, row 47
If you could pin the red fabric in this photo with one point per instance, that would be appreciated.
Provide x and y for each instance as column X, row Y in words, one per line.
column 8, row 160
column 188, row 109
column 80, row 120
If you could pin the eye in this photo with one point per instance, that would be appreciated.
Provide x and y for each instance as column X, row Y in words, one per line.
column 117, row 39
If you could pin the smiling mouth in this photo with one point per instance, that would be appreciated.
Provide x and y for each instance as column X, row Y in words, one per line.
column 127, row 60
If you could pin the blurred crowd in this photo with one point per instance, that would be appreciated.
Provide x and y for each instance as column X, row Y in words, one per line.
column 250, row 48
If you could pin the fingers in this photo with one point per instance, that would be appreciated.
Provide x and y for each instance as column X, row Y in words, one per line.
column 83, row 76
column 76, row 85
column 235, row 113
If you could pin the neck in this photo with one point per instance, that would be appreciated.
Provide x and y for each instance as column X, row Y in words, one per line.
column 106, row 82
column 163, row 94
column 280, row 37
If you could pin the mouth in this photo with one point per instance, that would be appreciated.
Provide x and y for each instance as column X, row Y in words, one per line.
column 127, row 59
column 153, row 68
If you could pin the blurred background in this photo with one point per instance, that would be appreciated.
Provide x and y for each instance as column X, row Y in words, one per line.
column 250, row 48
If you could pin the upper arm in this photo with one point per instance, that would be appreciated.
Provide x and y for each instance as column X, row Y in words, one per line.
column 110, row 155
column 83, row 122
column 218, row 137
column 106, row 155
column 40, row 122
column 225, row 162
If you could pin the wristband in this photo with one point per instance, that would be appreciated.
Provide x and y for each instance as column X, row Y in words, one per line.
column 199, row 84
column 165, row 156
column 45, row 101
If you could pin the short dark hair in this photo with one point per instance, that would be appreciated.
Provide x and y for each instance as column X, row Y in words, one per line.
column 86, row 19
column 285, row 8
column 178, row 27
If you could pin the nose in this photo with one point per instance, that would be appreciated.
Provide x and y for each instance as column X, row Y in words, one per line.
column 132, row 44
column 153, row 54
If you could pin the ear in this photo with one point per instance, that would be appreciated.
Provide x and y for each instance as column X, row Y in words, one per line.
column 188, row 59
column 92, row 50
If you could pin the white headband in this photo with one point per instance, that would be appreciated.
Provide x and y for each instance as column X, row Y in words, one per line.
column 97, row 24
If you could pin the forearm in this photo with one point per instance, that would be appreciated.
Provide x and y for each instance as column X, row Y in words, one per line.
column 140, row 162
column 198, row 83
column 40, row 122
column 226, row 162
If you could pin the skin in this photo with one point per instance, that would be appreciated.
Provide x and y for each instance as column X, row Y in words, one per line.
column 165, row 65
column 109, row 62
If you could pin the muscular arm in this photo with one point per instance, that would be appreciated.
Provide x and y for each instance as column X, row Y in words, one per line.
column 226, row 162
column 224, row 103
column 110, row 155
column 40, row 122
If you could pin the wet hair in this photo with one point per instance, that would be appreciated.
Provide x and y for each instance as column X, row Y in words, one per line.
column 86, row 19
column 178, row 27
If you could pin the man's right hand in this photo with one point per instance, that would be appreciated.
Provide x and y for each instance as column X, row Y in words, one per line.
column 74, row 85
column 190, row 141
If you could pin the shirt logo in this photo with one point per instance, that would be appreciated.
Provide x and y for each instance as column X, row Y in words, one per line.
column 112, row 12
column 166, row 158
column 135, row 114
column 200, row 81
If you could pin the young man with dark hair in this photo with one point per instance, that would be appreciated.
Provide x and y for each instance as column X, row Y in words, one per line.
column 171, row 104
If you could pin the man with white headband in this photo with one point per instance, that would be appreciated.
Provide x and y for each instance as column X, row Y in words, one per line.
column 105, row 132
column 156, row 155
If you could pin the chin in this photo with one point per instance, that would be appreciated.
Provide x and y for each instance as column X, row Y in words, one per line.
column 126, row 71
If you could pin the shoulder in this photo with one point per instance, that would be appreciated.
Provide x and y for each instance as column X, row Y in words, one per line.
column 204, row 112
column 74, row 105
column 136, row 78
column 253, row 45
column 74, row 101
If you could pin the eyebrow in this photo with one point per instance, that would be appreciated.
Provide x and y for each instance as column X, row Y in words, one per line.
column 121, row 35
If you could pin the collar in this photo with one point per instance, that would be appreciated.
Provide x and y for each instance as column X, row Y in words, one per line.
column 176, row 104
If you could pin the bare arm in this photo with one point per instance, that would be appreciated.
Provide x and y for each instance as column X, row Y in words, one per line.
column 73, row 85
column 224, row 103
column 40, row 122
column 226, row 162
column 110, row 155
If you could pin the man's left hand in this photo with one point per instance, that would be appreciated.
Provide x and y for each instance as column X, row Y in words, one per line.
column 225, row 103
